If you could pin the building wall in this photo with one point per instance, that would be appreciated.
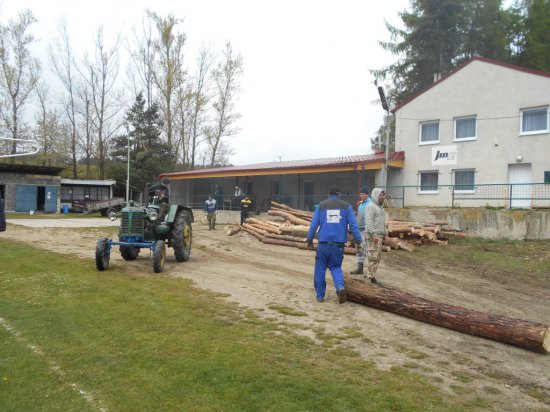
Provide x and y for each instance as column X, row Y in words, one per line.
column 12, row 180
column 495, row 95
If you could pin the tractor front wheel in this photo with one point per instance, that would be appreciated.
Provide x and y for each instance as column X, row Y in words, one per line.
column 129, row 252
column 159, row 254
column 102, row 254
column 182, row 236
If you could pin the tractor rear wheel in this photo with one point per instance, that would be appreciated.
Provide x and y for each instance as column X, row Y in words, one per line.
column 102, row 254
column 182, row 236
column 159, row 254
column 129, row 252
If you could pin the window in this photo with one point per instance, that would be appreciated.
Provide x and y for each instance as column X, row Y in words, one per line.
column 429, row 132
column 428, row 182
column 465, row 128
column 465, row 181
column 547, row 176
column 534, row 121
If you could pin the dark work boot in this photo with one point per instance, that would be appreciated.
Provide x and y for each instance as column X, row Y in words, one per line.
column 358, row 270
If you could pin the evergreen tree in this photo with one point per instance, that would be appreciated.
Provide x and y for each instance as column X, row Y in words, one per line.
column 149, row 155
column 440, row 35
column 533, row 42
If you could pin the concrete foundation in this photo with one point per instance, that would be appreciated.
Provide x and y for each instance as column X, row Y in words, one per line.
column 484, row 223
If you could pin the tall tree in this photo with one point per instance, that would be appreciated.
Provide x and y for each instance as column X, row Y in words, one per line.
column 142, row 53
column 102, row 72
column 534, row 40
column 438, row 35
column 200, row 100
column 63, row 63
column 149, row 155
column 169, row 71
column 226, row 79
column 19, row 73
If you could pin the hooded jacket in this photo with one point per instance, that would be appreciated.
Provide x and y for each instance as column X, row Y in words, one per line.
column 375, row 217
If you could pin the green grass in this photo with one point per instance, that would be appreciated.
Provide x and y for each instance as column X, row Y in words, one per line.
column 505, row 257
column 158, row 343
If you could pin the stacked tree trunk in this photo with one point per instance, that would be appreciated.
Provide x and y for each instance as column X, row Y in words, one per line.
column 289, row 227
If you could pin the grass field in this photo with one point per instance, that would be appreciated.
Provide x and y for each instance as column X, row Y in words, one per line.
column 74, row 339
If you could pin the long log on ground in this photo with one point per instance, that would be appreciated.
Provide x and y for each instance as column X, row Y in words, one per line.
column 286, row 237
column 296, row 212
column 396, row 243
column 290, row 217
column 249, row 227
column 265, row 226
column 522, row 333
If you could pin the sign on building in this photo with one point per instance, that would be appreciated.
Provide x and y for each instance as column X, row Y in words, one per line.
column 444, row 155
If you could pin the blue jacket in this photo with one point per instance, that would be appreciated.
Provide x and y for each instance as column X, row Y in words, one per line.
column 210, row 206
column 332, row 217
column 361, row 213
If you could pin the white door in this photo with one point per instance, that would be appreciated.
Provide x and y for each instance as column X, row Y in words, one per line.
column 519, row 178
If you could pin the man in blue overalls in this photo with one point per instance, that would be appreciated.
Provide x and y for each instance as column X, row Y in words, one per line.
column 332, row 217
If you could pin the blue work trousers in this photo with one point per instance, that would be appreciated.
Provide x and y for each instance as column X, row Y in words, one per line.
column 329, row 255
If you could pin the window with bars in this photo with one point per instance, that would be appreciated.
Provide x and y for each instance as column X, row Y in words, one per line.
column 465, row 180
column 428, row 181
column 429, row 132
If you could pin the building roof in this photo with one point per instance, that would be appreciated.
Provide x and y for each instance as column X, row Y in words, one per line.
column 477, row 58
column 330, row 164
column 84, row 182
column 30, row 169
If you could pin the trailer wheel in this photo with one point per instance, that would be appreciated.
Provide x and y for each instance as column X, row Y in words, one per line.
column 102, row 254
column 159, row 254
column 129, row 252
column 182, row 236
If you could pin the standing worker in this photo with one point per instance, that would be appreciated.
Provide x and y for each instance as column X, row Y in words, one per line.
column 375, row 224
column 210, row 207
column 364, row 200
column 218, row 195
column 2, row 215
column 245, row 208
column 332, row 217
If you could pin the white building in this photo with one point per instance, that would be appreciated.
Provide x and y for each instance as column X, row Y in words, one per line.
column 479, row 136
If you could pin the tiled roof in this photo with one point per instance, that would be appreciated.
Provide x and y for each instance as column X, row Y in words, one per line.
column 271, row 167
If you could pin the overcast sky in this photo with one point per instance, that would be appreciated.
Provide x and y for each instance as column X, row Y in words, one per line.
column 306, row 89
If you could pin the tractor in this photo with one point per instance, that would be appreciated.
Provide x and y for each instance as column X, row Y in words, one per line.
column 155, row 226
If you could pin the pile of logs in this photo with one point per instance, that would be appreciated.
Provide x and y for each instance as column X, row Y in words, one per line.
column 289, row 227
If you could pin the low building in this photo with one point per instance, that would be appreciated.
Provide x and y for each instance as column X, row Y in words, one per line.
column 27, row 188
column 477, row 137
column 300, row 183
column 77, row 190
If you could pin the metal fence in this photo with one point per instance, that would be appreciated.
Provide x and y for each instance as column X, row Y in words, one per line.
column 493, row 195
column 454, row 196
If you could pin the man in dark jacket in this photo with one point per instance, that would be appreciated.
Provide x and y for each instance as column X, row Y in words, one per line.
column 333, row 216
column 2, row 216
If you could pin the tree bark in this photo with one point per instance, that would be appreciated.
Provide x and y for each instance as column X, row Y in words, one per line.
column 290, row 217
column 522, row 333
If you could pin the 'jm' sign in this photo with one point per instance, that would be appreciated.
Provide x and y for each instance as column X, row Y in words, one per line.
column 444, row 155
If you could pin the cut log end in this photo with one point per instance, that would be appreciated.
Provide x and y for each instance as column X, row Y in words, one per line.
column 546, row 341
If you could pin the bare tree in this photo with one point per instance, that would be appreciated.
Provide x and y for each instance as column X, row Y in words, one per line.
column 19, row 73
column 51, row 131
column 142, row 54
column 101, row 75
column 169, row 71
column 63, row 65
column 200, row 100
column 226, row 78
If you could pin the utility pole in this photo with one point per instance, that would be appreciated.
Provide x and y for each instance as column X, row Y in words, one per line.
column 384, row 177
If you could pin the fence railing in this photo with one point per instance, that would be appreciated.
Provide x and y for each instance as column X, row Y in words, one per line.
column 505, row 195
column 482, row 195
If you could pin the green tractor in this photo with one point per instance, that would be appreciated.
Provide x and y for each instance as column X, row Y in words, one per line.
column 155, row 226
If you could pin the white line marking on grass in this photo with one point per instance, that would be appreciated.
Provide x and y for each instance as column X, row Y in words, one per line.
column 54, row 366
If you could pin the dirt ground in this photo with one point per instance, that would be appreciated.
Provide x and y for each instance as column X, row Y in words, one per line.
column 266, row 278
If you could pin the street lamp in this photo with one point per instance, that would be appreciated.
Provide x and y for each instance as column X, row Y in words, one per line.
column 387, row 148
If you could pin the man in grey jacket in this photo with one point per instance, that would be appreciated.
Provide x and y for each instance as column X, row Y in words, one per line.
column 375, row 226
